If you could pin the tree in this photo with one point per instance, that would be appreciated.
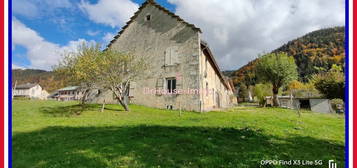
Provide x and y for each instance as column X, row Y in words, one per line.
column 261, row 91
column 249, row 80
column 117, row 71
column 277, row 69
column 242, row 91
column 95, row 69
column 331, row 83
column 80, row 67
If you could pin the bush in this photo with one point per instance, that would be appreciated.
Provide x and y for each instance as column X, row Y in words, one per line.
column 261, row 91
column 338, row 105
column 331, row 84
column 299, row 89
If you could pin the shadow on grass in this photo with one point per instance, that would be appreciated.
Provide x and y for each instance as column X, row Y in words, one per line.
column 163, row 146
column 77, row 109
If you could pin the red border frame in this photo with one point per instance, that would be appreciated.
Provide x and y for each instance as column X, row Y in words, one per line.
column 2, row 89
column 354, row 80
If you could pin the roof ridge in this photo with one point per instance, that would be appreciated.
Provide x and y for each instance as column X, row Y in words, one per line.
column 152, row 2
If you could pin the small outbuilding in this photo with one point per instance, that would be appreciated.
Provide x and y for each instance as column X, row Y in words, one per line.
column 320, row 105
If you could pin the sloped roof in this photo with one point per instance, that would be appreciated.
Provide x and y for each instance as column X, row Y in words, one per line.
column 151, row 2
column 26, row 86
column 210, row 57
column 204, row 44
column 69, row 88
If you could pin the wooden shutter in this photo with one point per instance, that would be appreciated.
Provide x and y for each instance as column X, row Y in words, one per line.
column 167, row 56
column 159, row 85
column 171, row 55
column 131, row 89
column 174, row 55
column 179, row 81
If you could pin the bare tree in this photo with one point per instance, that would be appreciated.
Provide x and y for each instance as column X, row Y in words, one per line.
column 117, row 70
column 80, row 68
column 92, row 68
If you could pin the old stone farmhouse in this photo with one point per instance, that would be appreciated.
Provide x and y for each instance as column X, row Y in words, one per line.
column 181, row 63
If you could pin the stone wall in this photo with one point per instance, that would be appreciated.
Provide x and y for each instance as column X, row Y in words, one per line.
column 157, row 39
column 173, row 50
column 217, row 95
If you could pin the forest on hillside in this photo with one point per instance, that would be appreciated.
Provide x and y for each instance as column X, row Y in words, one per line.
column 46, row 79
column 314, row 52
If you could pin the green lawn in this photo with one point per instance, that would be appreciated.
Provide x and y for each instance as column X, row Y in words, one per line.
column 50, row 134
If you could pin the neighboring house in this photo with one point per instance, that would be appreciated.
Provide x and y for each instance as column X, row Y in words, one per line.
column 319, row 105
column 180, row 61
column 68, row 93
column 30, row 90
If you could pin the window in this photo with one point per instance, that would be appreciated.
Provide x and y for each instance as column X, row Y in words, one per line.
column 171, row 85
column 206, row 88
column 148, row 17
column 171, row 55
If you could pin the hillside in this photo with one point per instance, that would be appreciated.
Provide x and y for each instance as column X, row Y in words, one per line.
column 46, row 79
column 321, row 48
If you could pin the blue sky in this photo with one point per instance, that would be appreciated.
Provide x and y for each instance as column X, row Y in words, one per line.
column 237, row 31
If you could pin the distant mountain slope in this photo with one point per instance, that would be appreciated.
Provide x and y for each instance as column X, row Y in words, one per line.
column 321, row 48
column 46, row 79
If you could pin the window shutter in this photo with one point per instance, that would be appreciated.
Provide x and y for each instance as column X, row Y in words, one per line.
column 159, row 85
column 131, row 89
column 174, row 55
column 167, row 57
column 132, row 85
column 179, row 82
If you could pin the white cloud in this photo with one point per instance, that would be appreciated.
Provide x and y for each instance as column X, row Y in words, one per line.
column 238, row 31
column 108, row 37
column 24, row 7
column 35, row 8
column 41, row 53
column 93, row 33
column 110, row 12
column 14, row 66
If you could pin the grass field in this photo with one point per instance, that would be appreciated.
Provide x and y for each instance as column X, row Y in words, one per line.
column 50, row 134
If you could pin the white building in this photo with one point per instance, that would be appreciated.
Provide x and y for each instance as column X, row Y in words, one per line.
column 69, row 93
column 29, row 90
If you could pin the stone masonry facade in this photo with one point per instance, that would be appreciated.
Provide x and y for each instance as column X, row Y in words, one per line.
column 178, row 60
